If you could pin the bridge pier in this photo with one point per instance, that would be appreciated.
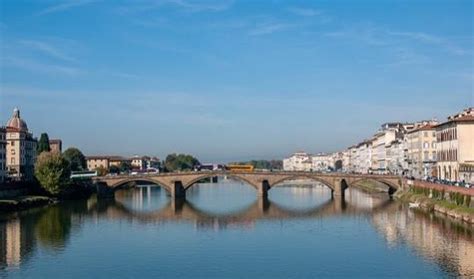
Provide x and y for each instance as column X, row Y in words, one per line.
column 177, row 190
column 262, row 190
column 263, row 204
column 340, row 186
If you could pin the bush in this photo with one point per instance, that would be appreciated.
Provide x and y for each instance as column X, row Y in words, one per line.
column 53, row 172
column 467, row 200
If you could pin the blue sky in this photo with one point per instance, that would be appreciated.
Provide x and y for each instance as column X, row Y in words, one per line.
column 231, row 80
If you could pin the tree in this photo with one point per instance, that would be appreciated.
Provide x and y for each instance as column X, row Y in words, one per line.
column 53, row 172
column 43, row 144
column 76, row 159
column 114, row 169
column 180, row 162
column 125, row 166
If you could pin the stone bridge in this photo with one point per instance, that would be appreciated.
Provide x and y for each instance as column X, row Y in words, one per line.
column 178, row 182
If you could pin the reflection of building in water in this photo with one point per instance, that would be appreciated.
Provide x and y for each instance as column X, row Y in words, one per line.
column 363, row 200
column 429, row 235
column 10, row 243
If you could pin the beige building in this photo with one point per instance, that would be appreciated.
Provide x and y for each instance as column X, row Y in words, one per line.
column 3, row 155
column 421, row 148
column 21, row 148
column 95, row 162
column 56, row 145
column 455, row 147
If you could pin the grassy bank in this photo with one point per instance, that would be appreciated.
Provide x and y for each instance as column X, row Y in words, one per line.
column 443, row 206
column 24, row 202
column 371, row 187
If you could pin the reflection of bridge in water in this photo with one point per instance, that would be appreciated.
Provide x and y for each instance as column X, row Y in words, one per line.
column 176, row 184
column 261, row 209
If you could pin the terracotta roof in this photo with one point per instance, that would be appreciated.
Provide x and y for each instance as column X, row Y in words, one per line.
column 465, row 118
column 423, row 128
column 16, row 122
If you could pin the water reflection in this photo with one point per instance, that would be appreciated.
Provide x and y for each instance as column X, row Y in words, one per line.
column 29, row 234
column 436, row 238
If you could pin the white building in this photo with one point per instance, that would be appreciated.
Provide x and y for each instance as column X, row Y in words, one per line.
column 363, row 163
column 321, row 162
column 396, row 157
column 299, row 161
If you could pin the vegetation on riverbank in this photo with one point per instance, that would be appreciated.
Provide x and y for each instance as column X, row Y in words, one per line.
column 24, row 202
column 371, row 187
column 451, row 208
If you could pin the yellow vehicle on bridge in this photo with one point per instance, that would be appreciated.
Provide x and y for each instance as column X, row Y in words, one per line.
column 239, row 168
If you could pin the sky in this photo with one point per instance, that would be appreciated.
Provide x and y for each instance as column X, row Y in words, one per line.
column 231, row 80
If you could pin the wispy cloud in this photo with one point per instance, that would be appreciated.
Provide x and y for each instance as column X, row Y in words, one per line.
column 39, row 67
column 268, row 28
column 430, row 39
column 213, row 6
column 186, row 5
column 47, row 49
column 64, row 6
column 305, row 11
column 379, row 36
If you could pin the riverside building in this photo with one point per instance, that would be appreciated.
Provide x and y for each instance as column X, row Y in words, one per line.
column 421, row 146
column 20, row 148
column 455, row 147
column 3, row 155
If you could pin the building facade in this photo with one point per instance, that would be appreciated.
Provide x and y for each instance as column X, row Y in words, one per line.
column 96, row 162
column 321, row 162
column 421, row 143
column 299, row 161
column 455, row 147
column 3, row 154
column 56, row 145
column 20, row 149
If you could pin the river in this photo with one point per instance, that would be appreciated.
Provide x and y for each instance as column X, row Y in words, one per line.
column 224, row 231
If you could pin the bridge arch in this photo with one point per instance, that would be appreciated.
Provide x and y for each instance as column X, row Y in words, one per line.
column 303, row 176
column 120, row 184
column 235, row 176
column 392, row 187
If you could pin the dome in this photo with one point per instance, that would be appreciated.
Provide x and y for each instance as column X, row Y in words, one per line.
column 16, row 122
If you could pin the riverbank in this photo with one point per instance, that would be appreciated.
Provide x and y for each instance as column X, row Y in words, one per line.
column 371, row 187
column 24, row 202
column 459, row 212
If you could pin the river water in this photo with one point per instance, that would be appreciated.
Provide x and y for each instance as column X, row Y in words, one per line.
column 224, row 231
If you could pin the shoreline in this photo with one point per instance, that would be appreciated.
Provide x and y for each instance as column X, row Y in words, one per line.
column 24, row 202
column 462, row 213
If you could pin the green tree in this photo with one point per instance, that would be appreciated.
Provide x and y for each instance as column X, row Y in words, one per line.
column 53, row 172
column 53, row 227
column 43, row 144
column 125, row 166
column 76, row 159
column 114, row 169
column 180, row 162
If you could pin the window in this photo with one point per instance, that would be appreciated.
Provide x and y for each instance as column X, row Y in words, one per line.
column 425, row 134
column 426, row 144
column 12, row 143
column 12, row 161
